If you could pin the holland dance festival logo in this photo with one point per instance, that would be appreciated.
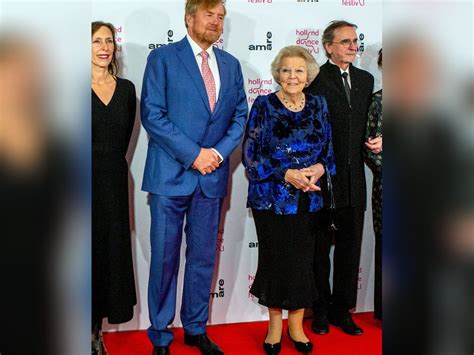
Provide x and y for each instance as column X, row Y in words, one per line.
column 258, row 86
column 118, row 37
column 353, row 2
column 308, row 38
column 220, row 42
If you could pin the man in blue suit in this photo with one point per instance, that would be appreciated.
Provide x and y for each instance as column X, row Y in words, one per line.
column 194, row 109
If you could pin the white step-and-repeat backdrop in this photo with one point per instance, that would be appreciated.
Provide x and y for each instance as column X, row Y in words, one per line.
column 254, row 32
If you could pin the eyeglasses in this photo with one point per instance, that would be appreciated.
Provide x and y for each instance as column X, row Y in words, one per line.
column 287, row 71
column 346, row 43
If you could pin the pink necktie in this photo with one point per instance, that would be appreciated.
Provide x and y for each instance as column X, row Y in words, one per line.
column 208, row 80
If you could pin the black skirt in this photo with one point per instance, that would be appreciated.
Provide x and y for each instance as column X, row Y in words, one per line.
column 284, row 277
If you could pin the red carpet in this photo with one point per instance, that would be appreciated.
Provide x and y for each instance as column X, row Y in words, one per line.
column 247, row 338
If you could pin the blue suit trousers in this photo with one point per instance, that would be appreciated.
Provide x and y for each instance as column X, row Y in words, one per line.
column 202, row 225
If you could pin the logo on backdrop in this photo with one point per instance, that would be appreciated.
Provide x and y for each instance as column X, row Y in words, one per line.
column 251, row 278
column 253, row 245
column 258, row 86
column 307, row 0
column 168, row 39
column 220, row 290
column 309, row 39
column 220, row 42
column 265, row 46
column 361, row 43
column 220, row 240
column 260, row 1
column 353, row 2
column 118, row 37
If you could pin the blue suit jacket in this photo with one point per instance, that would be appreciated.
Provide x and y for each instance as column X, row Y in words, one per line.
column 176, row 114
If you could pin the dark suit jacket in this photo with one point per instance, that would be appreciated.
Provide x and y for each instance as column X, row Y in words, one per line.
column 348, row 125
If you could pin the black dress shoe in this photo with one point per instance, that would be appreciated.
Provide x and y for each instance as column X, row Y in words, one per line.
column 320, row 324
column 305, row 348
column 161, row 350
column 205, row 345
column 346, row 323
column 272, row 349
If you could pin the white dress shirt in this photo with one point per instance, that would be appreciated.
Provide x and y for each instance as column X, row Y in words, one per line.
column 212, row 61
column 343, row 71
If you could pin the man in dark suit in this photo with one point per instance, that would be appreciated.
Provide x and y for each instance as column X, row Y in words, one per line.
column 194, row 110
column 348, row 91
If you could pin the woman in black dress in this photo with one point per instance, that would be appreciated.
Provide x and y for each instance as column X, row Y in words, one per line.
column 287, row 148
column 374, row 161
column 113, row 116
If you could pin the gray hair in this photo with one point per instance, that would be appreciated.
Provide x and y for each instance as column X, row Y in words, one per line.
column 295, row 51
column 328, row 34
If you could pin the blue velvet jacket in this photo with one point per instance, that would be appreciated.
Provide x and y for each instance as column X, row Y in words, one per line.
column 277, row 139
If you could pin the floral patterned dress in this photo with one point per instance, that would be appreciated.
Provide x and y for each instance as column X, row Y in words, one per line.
column 276, row 140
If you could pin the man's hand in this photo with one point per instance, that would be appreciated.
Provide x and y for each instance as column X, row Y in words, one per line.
column 314, row 173
column 375, row 144
column 299, row 180
column 206, row 162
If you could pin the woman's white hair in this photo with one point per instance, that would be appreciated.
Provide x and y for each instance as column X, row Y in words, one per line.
column 295, row 51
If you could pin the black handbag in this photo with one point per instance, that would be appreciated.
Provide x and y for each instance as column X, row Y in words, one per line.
column 332, row 203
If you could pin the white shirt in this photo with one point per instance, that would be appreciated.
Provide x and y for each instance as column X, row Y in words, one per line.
column 212, row 61
column 343, row 71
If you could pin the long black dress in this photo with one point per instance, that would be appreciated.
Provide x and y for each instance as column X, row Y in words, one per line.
column 113, row 285
column 374, row 162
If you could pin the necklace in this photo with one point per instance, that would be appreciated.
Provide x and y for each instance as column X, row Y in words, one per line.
column 292, row 107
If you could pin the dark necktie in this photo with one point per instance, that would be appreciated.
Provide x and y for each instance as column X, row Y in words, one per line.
column 347, row 88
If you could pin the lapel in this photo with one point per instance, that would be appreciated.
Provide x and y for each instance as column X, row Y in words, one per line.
column 223, row 75
column 186, row 55
column 336, row 76
column 355, row 83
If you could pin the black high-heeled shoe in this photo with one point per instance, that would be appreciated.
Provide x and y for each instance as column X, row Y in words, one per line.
column 301, row 347
column 271, row 349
